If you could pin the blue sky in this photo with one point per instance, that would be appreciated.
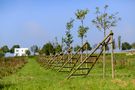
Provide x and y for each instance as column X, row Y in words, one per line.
column 30, row 22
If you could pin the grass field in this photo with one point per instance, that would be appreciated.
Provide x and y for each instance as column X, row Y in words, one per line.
column 34, row 77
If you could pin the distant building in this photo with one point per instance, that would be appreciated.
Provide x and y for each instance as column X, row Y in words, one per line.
column 20, row 51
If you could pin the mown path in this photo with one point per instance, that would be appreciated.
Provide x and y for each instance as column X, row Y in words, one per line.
column 31, row 77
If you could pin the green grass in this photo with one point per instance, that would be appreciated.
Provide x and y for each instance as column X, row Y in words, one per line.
column 34, row 77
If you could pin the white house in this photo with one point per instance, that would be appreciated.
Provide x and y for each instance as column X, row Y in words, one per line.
column 20, row 51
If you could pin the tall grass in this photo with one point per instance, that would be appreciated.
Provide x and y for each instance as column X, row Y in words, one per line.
column 11, row 65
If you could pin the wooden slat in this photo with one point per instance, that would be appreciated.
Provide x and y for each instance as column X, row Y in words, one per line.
column 64, row 71
column 67, row 67
column 79, row 74
column 82, row 68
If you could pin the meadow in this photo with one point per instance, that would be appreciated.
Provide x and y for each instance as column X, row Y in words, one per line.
column 33, row 76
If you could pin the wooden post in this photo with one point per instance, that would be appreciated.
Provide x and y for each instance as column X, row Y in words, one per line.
column 86, row 52
column 112, row 57
column 104, row 54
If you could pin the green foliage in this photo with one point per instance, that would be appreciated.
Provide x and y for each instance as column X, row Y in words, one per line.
column 133, row 45
column 82, row 30
column 68, row 40
column 126, row 46
column 80, row 14
column 2, row 54
column 5, row 49
column 58, row 49
column 87, row 47
column 104, row 20
column 76, row 48
column 34, row 49
column 12, row 49
column 69, row 24
column 48, row 49
column 28, row 52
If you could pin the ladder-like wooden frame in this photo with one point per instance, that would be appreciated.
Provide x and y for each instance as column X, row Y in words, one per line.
column 105, row 42
column 71, row 60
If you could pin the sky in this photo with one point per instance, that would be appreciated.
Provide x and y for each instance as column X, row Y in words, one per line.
column 36, row 22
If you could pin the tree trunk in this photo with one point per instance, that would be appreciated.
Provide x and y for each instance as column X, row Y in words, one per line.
column 112, row 58
column 82, row 51
column 104, row 54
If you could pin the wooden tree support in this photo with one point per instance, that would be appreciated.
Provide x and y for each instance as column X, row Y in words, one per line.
column 74, row 60
column 75, row 70
column 75, row 66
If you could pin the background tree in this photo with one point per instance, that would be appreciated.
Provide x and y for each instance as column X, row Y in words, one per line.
column 69, row 38
column 34, row 49
column 5, row 49
column 48, row 49
column 58, row 49
column 104, row 21
column 40, row 51
column 119, row 42
column 28, row 52
column 87, row 47
column 133, row 45
column 126, row 46
column 12, row 49
column 76, row 48
column 2, row 54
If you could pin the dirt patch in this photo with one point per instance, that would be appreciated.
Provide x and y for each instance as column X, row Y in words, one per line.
column 120, row 83
column 133, row 81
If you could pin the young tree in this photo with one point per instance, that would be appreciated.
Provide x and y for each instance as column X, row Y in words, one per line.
column 82, row 30
column 69, row 38
column 119, row 42
column 105, row 21
column 12, row 49
column 34, row 49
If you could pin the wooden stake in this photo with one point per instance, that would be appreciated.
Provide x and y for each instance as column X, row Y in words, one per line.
column 112, row 57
